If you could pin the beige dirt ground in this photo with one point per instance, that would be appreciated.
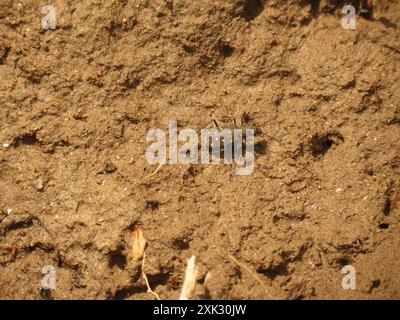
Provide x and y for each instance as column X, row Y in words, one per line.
column 76, row 104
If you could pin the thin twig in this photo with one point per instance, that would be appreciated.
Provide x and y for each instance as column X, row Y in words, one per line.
column 253, row 274
column 152, row 174
column 147, row 281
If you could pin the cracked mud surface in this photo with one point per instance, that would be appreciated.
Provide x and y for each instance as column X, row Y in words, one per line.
column 76, row 104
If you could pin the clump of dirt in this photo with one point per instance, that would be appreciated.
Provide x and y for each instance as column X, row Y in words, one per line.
column 77, row 102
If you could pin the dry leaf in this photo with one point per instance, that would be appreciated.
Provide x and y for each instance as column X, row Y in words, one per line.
column 139, row 244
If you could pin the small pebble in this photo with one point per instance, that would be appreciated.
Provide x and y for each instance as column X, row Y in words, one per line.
column 6, row 145
column 110, row 167
column 338, row 190
column 39, row 184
